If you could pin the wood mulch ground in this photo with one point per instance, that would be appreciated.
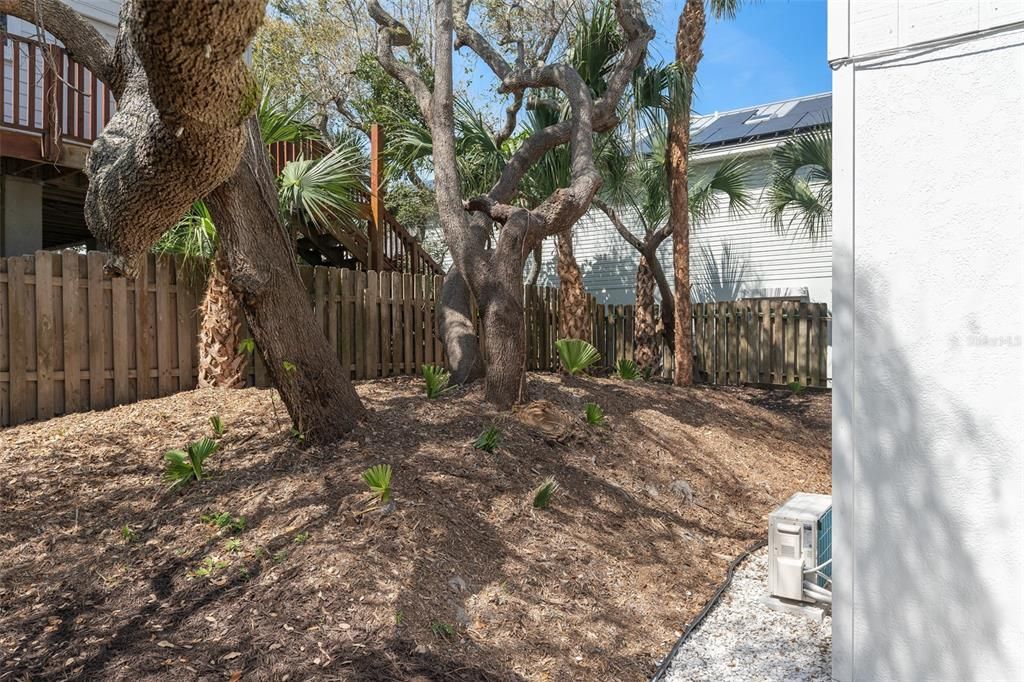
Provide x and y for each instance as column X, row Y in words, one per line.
column 105, row 575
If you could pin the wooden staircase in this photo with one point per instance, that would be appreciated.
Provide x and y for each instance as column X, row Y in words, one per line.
column 375, row 240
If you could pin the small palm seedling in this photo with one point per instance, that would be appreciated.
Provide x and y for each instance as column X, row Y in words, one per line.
column 542, row 496
column 224, row 520
column 218, row 425
column 233, row 545
column 437, row 379
column 796, row 387
column 128, row 534
column 184, row 466
column 301, row 538
column 595, row 415
column 442, row 629
column 209, row 566
column 627, row 369
column 488, row 440
column 378, row 478
column 576, row 355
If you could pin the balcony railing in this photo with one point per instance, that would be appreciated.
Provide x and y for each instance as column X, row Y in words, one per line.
column 46, row 92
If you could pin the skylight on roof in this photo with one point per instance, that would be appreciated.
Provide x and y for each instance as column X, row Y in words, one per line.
column 771, row 111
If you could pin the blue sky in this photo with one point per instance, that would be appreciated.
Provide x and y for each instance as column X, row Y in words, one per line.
column 772, row 50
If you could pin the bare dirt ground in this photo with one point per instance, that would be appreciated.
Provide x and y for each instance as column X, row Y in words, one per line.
column 463, row 581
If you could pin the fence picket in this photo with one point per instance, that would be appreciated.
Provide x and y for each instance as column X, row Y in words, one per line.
column 119, row 316
column 97, row 329
column 71, row 317
column 347, row 324
column 144, row 385
column 17, row 293
column 385, row 324
column 45, row 342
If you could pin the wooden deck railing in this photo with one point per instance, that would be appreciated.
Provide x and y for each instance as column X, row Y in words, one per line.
column 46, row 92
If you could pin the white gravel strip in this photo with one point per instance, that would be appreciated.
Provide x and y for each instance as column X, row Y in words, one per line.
column 742, row 639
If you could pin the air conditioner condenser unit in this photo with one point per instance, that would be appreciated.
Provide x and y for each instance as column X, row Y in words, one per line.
column 800, row 541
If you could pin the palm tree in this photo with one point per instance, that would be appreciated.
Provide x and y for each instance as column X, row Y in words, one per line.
column 312, row 193
column 799, row 190
column 637, row 183
column 689, row 50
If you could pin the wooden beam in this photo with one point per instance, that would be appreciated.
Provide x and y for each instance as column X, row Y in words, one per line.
column 376, row 223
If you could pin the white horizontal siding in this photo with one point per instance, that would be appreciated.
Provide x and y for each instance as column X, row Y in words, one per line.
column 758, row 257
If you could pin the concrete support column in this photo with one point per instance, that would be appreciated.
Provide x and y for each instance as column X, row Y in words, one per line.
column 21, row 229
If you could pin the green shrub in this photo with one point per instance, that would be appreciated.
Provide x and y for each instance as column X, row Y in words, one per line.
column 437, row 379
column 576, row 355
column 595, row 415
column 488, row 440
column 184, row 466
column 542, row 496
column 378, row 478
column 627, row 369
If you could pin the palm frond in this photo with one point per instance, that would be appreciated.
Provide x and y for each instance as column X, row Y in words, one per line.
column 799, row 191
column 194, row 237
column 323, row 190
column 731, row 178
column 283, row 122
column 576, row 355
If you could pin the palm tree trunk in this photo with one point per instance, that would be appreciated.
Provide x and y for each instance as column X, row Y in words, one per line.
column 689, row 38
column 573, row 316
column 221, row 363
column 644, row 331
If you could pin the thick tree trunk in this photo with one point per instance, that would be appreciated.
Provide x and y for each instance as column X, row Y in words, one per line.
column 458, row 329
column 505, row 342
column 644, row 330
column 573, row 316
column 319, row 397
column 221, row 363
column 689, row 38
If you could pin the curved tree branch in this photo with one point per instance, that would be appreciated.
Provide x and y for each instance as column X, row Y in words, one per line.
column 393, row 33
column 81, row 39
column 177, row 133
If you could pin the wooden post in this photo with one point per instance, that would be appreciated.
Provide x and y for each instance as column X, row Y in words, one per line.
column 376, row 226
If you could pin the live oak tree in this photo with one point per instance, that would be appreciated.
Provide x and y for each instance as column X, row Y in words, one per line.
column 185, row 129
column 491, row 270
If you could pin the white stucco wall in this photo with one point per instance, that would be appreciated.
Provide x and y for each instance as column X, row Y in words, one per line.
column 928, row 406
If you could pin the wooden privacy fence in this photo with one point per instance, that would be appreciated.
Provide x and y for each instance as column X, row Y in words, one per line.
column 73, row 339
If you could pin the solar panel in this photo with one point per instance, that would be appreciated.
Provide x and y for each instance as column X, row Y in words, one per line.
column 755, row 122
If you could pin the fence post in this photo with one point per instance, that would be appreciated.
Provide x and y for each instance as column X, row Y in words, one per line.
column 375, row 244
